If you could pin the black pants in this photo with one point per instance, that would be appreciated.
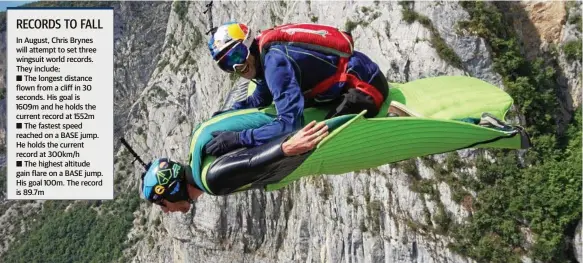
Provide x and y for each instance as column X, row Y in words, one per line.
column 354, row 101
column 254, row 167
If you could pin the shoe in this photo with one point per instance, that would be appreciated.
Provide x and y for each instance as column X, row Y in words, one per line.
column 397, row 109
column 488, row 120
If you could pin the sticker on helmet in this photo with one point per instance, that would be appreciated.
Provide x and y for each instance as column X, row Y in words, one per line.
column 176, row 188
column 227, row 33
column 237, row 31
column 175, row 170
column 159, row 189
column 163, row 177
column 163, row 164
column 221, row 37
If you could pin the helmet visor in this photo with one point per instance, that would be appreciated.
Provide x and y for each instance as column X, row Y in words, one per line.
column 237, row 55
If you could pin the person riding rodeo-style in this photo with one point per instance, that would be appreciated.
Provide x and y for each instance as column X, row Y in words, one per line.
column 295, row 66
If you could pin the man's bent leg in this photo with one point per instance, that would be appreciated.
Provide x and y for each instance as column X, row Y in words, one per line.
column 381, row 84
column 356, row 101
column 256, row 166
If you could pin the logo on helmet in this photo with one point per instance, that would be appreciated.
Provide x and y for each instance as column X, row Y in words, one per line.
column 159, row 189
column 226, row 34
column 163, row 179
column 176, row 188
column 220, row 39
column 237, row 31
column 175, row 170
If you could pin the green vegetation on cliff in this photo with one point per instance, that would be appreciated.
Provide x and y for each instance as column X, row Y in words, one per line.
column 65, row 231
column 540, row 191
column 85, row 231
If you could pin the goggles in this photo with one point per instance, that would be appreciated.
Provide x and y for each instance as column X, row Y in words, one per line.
column 234, row 59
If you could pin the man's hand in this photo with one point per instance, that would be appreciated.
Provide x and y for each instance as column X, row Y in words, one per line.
column 306, row 139
column 224, row 142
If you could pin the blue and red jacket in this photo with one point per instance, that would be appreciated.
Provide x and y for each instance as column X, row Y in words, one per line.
column 287, row 72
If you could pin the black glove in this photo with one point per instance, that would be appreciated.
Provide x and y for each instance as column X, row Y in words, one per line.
column 223, row 142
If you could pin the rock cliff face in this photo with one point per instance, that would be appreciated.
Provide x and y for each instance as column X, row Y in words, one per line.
column 166, row 83
column 368, row 216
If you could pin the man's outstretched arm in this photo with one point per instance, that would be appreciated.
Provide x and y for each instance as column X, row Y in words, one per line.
column 288, row 99
column 305, row 139
column 289, row 103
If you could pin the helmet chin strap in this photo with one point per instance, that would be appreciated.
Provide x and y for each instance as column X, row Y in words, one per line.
column 255, row 65
column 183, row 194
column 252, row 80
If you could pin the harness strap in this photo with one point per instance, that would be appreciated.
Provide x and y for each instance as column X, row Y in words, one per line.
column 353, row 81
column 366, row 88
column 327, row 83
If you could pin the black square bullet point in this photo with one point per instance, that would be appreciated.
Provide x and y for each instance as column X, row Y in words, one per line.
column 19, row 126
column 18, row 78
column 18, row 163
